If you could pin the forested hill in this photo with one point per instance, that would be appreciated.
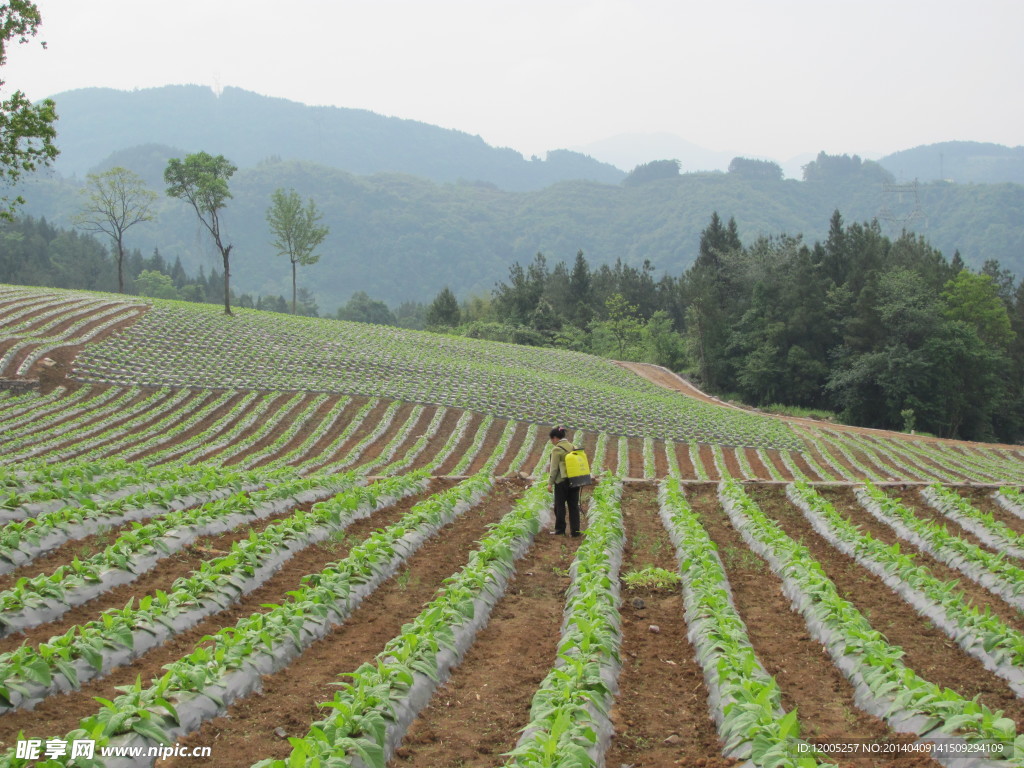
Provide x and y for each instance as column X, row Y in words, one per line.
column 249, row 128
column 401, row 238
column 963, row 162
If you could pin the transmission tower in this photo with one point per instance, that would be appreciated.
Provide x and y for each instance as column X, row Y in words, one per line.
column 901, row 208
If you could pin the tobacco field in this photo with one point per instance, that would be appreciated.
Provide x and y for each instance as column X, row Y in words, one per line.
column 301, row 542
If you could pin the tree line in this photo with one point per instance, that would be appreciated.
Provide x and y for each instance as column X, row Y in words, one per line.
column 34, row 252
column 118, row 199
column 885, row 332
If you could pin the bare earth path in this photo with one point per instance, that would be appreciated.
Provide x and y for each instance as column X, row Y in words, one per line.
column 665, row 378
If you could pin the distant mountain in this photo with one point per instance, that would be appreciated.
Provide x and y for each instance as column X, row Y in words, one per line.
column 963, row 162
column 399, row 237
column 248, row 129
column 628, row 150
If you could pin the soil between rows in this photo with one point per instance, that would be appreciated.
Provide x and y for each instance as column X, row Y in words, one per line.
column 352, row 406
column 123, row 445
column 487, row 446
column 845, row 502
column 156, row 409
column 503, row 466
column 911, row 499
column 91, row 415
column 337, row 449
column 62, row 713
column 661, row 714
column 463, row 445
column 684, row 461
column 983, row 501
column 809, row 681
column 929, row 463
column 228, row 456
column 163, row 574
column 760, row 470
column 180, row 440
column 438, row 440
column 291, row 699
column 477, row 715
column 928, row 651
column 304, row 430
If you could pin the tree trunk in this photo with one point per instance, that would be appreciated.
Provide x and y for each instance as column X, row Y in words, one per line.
column 120, row 266
column 226, row 253
column 293, row 287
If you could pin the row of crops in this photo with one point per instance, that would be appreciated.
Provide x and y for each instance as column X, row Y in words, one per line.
column 344, row 565
column 198, row 365
column 179, row 345
column 35, row 323
column 315, row 432
column 571, row 720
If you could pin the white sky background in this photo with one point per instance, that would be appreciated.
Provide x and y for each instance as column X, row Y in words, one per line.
column 770, row 78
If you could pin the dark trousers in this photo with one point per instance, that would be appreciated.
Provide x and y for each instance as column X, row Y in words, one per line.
column 565, row 495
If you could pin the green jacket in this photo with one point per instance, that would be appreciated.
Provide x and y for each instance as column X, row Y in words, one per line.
column 557, row 473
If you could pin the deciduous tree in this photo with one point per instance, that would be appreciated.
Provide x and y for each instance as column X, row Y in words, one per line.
column 294, row 226
column 27, row 133
column 114, row 201
column 201, row 180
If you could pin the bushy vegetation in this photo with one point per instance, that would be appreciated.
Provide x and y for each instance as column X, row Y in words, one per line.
column 887, row 333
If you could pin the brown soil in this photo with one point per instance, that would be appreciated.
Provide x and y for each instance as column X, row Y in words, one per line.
column 911, row 499
column 504, row 465
column 61, row 374
column 325, row 442
column 531, row 465
column 290, row 699
column 62, row 555
column 611, row 455
column 122, row 446
column 808, row 679
column 845, row 502
column 440, row 437
column 161, row 576
column 929, row 464
column 661, row 713
column 365, row 427
column 848, row 470
column 183, row 437
column 707, row 459
column 62, row 713
column 477, row 715
column 283, row 420
column 983, row 501
column 490, row 442
column 418, row 428
column 804, row 467
column 660, row 459
column 760, row 470
column 686, row 470
column 636, row 458
column 271, row 415
column 776, row 459
column 732, row 464
column 77, row 447
column 86, row 411
column 310, row 423
column 464, row 444
column 929, row 652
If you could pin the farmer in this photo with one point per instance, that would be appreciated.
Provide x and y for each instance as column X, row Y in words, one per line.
column 558, row 480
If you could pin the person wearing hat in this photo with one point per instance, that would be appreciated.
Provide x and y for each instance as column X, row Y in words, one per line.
column 558, row 481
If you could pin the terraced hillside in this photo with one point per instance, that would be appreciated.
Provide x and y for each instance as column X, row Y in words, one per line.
column 264, row 540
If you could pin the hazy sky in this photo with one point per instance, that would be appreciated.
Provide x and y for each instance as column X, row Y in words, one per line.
column 771, row 78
